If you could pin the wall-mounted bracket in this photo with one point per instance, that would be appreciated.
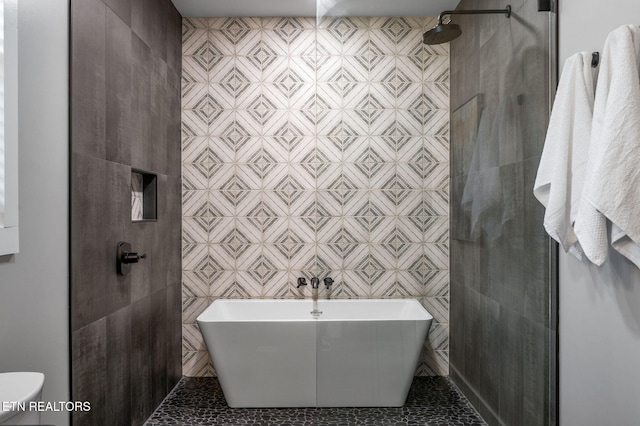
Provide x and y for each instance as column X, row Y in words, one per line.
column 546, row 6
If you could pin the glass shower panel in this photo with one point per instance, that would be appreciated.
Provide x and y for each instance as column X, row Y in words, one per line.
column 503, row 268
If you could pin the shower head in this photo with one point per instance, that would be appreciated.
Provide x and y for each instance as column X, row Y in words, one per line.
column 443, row 33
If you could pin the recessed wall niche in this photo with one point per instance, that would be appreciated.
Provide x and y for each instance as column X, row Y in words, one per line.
column 143, row 196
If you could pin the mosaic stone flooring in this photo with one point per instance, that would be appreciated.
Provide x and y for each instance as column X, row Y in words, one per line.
column 432, row 401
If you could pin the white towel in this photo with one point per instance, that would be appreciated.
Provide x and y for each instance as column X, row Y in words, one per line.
column 481, row 189
column 562, row 168
column 487, row 195
column 612, row 186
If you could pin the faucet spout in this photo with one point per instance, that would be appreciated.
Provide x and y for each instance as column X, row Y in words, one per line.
column 315, row 282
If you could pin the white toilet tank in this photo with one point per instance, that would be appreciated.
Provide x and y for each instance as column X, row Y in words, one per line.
column 17, row 389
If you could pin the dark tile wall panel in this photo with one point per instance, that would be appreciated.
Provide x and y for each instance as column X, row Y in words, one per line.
column 88, row 94
column 173, row 26
column 125, row 101
column 122, row 8
column 141, row 360
column 158, row 327
column 174, row 346
column 101, row 216
column 89, row 378
column 86, row 249
column 500, row 350
column 140, row 102
column 174, row 254
column 174, row 123
column 159, row 114
column 118, row 367
column 118, row 89
column 149, row 20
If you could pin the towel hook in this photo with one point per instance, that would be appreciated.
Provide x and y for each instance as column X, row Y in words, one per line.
column 595, row 59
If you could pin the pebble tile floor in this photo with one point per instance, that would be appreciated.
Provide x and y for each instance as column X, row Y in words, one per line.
column 432, row 401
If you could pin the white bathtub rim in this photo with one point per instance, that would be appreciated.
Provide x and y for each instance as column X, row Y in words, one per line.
column 417, row 312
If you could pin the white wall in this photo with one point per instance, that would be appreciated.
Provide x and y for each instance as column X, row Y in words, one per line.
column 34, row 283
column 599, row 307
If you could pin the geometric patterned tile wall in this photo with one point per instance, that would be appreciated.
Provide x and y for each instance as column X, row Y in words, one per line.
column 314, row 150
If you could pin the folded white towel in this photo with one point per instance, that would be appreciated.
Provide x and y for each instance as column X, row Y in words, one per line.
column 562, row 168
column 612, row 186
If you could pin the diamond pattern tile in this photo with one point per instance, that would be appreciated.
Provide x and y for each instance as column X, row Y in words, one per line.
column 195, row 284
column 288, row 29
column 438, row 338
column 433, row 363
column 192, row 307
column 195, row 69
column 192, row 338
column 195, row 42
column 196, row 364
column 278, row 286
column 438, row 307
column 436, row 283
column 313, row 149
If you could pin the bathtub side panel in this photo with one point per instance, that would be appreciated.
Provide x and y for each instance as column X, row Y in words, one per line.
column 264, row 364
column 367, row 363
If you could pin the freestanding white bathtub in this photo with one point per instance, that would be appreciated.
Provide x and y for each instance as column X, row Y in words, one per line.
column 275, row 353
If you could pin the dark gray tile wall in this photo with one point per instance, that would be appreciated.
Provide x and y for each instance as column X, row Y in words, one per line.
column 88, row 94
column 501, row 335
column 125, row 114
column 88, row 378
column 118, row 366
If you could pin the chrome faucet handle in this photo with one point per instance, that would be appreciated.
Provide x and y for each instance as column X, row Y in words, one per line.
column 315, row 282
column 328, row 282
column 301, row 281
